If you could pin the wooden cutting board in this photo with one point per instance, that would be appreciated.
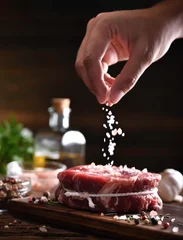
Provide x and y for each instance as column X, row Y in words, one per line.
column 60, row 215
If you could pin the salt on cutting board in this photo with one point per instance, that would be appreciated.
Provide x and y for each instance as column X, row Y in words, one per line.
column 114, row 226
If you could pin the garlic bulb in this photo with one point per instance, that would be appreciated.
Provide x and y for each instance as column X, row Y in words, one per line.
column 170, row 185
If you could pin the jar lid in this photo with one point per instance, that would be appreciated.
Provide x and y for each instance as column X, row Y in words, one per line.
column 59, row 104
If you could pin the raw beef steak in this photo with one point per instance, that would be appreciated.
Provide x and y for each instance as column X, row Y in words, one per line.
column 106, row 188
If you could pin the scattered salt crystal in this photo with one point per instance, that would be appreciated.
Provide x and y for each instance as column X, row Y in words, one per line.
column 110, row 113
column 123, row 134
column 43, row 229
column 103, row 108
column 119, row 131
column 107, row 104
column 116, row 122
column 106, row 110
column 175, row 229
column 108, row 158
column 123, row 217
column 104, row 140
column 104, row 154
column 104, row 125
column 153, row 213
column 125, row 167
column 102, row 149
column 108, row 135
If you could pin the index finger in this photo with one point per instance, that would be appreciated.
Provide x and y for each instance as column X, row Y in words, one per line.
column 95, row 49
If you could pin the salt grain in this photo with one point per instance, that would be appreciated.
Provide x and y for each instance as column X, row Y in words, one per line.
column 114, row 132
column 104, row 154
column 123, row 134
column 119, row 131
column 175, row 229
column 43, row 229
column 108, row 135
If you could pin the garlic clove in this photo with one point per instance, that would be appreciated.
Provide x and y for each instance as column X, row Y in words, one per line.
column 170, row 185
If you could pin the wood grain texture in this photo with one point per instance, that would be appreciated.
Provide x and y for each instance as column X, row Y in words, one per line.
column 29, row 230
column 95, row 223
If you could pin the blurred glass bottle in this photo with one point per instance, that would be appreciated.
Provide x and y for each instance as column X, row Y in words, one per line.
column 60, row 143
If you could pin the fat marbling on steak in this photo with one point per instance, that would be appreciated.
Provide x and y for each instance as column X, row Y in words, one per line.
column 107, row 188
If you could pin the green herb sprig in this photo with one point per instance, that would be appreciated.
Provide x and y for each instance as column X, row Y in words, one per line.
column 16, row 143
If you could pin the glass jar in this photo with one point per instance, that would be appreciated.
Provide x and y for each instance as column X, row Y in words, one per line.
column 43, row 178
column 60, row 143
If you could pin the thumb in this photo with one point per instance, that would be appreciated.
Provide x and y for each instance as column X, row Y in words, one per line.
column 126, row 80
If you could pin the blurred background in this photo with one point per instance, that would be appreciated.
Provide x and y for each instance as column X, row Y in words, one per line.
column 38, row 46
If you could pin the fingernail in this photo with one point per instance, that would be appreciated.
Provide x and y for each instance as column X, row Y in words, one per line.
column 116, row 96
column 101, row 99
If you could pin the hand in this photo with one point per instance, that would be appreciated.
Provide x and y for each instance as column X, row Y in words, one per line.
column 139, row 36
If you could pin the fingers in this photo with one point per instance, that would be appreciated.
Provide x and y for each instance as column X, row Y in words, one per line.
column 94, row 52
column 89, row 64
column 125, row 81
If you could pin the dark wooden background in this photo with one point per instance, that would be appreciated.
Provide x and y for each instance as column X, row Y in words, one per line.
column 38, row 46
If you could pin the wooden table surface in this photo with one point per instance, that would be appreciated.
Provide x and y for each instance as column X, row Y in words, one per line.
column 12, row 228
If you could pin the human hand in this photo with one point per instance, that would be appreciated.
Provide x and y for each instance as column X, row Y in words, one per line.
column 139, row 36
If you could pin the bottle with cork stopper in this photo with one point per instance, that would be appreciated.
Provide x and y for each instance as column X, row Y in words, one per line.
column 61, row 143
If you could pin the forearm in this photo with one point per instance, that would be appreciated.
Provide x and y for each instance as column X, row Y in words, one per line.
column 171, row 12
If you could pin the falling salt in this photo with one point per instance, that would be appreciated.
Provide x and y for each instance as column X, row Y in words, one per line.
column 108, row 135
column 119, row 131
column 111, row 133
column 114, row 132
